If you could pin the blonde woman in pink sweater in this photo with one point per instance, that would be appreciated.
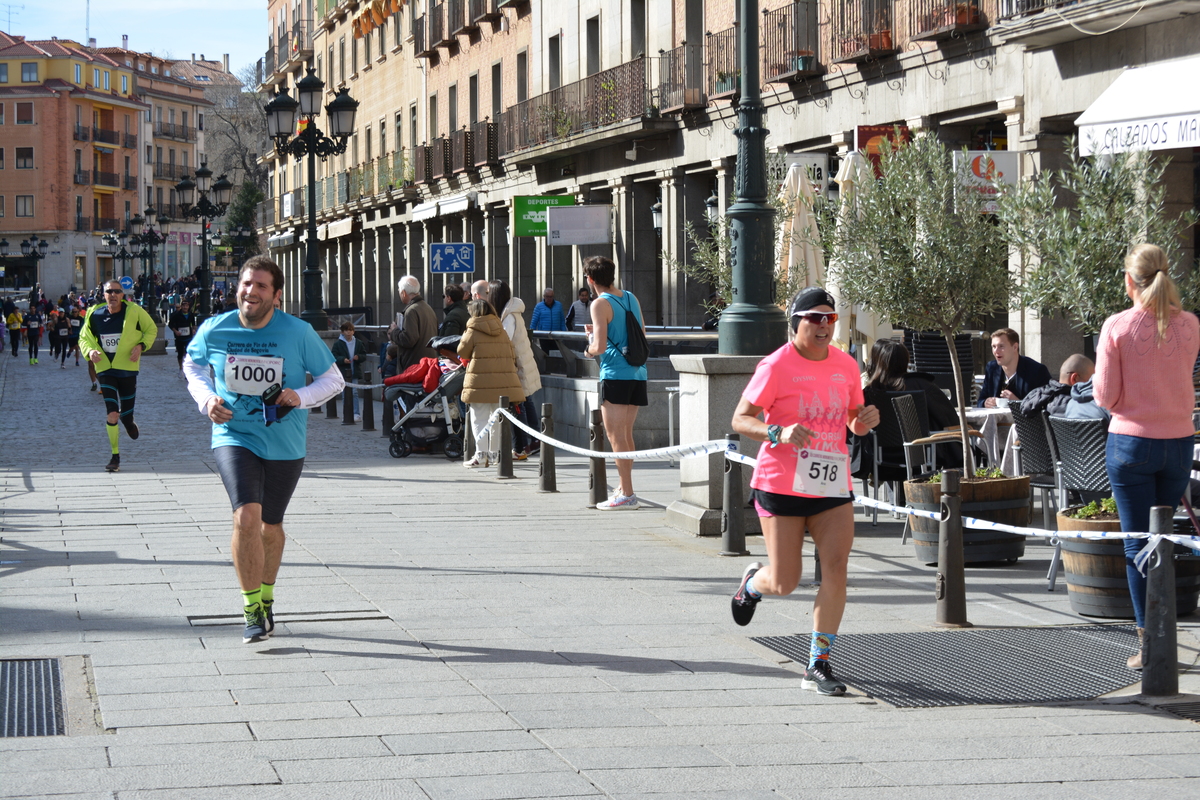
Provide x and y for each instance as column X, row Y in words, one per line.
column 1144, row 377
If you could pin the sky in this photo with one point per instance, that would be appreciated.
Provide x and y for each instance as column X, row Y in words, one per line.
column 166, row 28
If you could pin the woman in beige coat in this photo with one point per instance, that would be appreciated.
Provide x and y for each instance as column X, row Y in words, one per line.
column 512, row 317
column 491, row 372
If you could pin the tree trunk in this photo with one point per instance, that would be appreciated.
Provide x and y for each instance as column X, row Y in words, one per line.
column 959, row 394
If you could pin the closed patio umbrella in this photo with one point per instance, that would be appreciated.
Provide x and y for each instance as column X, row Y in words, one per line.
column 796, row 248
column 855, row 175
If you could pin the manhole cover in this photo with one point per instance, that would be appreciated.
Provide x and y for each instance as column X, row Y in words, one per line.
column 32, row 692
column 979, row 666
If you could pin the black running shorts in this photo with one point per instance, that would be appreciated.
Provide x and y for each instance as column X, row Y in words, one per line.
column 770, row 504
column 623, row 393
column 250, row 479
column 119, row 392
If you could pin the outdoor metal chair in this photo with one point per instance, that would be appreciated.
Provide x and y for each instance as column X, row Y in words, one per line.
column 1033, row 458
column 887, row 434
column 1077, row 449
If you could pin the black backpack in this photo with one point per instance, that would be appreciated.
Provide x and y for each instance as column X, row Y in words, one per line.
column 636, row 349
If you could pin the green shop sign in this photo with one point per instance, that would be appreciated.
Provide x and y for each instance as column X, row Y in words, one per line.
column 529, row 212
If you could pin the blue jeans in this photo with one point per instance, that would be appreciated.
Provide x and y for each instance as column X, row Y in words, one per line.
column 1145, row 473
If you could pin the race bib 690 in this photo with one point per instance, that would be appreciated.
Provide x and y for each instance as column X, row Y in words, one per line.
column 109, row 342
column 252, row 375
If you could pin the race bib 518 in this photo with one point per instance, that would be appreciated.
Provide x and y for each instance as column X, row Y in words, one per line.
column 821, row 474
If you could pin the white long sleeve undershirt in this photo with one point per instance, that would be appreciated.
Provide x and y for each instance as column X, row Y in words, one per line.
column 323, row 388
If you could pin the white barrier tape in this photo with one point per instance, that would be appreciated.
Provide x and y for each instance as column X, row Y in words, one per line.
column 982, row 524
column 661, row 454
column 363, row 385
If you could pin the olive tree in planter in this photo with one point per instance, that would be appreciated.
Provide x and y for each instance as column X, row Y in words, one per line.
column 1071, row 229
column 914, row 248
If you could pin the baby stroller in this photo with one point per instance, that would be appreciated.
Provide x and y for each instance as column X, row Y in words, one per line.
column 432, row 420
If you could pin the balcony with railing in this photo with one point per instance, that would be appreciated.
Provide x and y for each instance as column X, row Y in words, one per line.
column 724, row 69
column 458, row 20
column 421, row 164
column 171, row 130
column 934, row 20
column 129, row 181
column 292, row 47
column 681, row 79
column 268, row 64
column 439, row 31
column 107, row 224
column 422, row 47
column 106, row 136
column 439, row 158
column 266, row 213
column 461, row 157
column 170, row 172
column 100, row 178
column 1043, row 23
column 83, row 224
column 82, row 133
column 610, row 106
column 861, row 31
column 485, row 144
column 83, row 177
column 484, row 11
column 512, row 3
column 789, row 42
column 129, row 140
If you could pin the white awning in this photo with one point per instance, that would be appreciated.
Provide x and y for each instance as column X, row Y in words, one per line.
column 1147, row 108
column 425, row 211
column 456, row 204
column 341, row 227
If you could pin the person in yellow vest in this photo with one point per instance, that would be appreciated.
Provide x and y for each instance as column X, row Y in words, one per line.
column 114, row 336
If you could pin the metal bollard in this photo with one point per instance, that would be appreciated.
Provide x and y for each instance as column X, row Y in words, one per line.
column 547, row 479
column 347, row 406
column 1160, row 648
column 368, row 407
column 504, row 468
column 951, row 587
column 597, row 474
column 331, row 411
column 389, row 416
column 733, row 506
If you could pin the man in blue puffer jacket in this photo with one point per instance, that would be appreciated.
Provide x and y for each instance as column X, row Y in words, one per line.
column 548, row 316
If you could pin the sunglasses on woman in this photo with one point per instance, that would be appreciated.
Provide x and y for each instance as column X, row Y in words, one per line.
column 818, row 317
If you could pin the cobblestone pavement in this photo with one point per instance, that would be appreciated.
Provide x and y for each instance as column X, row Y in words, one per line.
column 444, row 634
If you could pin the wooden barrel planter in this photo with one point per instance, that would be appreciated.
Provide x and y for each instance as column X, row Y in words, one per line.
column 1003, row 500
column 1094, row 571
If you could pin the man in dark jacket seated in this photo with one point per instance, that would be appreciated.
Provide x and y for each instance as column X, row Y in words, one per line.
column 1069, row 396
column 1011, row 376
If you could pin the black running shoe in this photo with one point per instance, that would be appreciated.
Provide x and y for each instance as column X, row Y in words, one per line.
column 256, row 629
column 93, row 386
column 114, row 464
column 131, row 428
column 819, row 678
column 743, row 604
column 268, row 617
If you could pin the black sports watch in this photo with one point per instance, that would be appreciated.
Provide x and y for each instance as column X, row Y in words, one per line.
column 773, row 432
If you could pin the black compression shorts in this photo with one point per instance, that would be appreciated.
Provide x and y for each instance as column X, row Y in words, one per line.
column 770, row 504
column 623, row 393
column 250, row 479
column 119, row 392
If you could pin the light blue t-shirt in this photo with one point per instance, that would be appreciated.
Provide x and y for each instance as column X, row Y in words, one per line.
column 613, row 365
column 282, row 352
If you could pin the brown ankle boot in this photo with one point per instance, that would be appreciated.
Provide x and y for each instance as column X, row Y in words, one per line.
column 1135, row 661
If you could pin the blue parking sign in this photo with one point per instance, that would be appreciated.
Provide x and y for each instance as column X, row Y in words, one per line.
column 126, row 283
column 452, row 257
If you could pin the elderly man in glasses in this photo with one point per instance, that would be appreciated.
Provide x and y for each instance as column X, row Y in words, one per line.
column 113, row 338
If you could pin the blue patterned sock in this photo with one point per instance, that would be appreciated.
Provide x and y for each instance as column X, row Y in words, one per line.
column 750, row 588
column 820, row 647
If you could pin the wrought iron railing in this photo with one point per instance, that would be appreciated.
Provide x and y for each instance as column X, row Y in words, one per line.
column 169, row 172
column 461, row 158
column 484, row 142
column 439, row 158
column 609, row 96
column 82, row 133
column 266, row 213
column 171, row 130
column 1022, row 8
column 130, row 181
column 789, row 42
column 83, row 224
column 861, row 30
column 724, row 71
column 130, row 140
column 681, row 78
column 484, row 10
column 100, row 178
column 422, row 46
column 940, row 19
column 83, row 177
column 437, row 25
column 368, row 179
column 106, row 136
column 422, row 167
column 458, row 20
column 298, row 42
column 330, row 192
column 106, row 224
column 268, row 62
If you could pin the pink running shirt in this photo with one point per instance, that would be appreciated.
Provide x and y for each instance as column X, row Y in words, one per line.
column 816, row 394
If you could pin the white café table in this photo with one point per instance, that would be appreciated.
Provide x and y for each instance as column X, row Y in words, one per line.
column 988, row 421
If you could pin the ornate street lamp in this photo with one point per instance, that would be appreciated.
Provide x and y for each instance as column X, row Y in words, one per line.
column 204, row 199
column 117, row 244
column 311, row 142
column 31, row 248
column 751, row 325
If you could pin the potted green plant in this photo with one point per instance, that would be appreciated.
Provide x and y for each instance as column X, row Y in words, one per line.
column 1071, row 229
column 914, row 248
column 988, row 495
column 727, row 82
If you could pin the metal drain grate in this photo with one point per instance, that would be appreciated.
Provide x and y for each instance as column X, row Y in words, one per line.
column 979, row 666
column 33, row 703
column 1186, row 710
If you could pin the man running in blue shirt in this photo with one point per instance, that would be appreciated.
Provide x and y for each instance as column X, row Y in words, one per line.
column 257, row 399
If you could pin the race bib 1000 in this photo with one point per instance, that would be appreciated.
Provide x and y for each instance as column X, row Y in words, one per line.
column 252, row 375
column 821, row 474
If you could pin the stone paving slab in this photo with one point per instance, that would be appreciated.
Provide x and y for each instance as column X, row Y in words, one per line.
column 520, row 645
